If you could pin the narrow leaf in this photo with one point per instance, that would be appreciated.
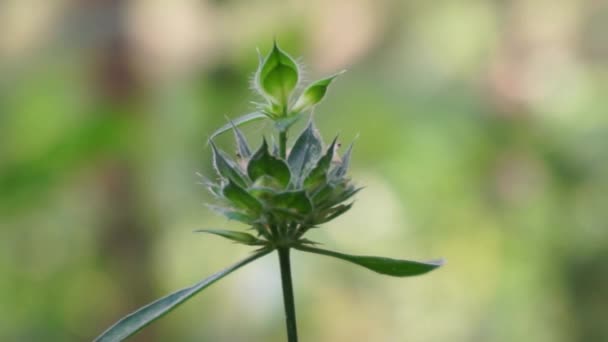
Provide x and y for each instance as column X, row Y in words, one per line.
column 334, row 212
column 225, row 167
column 240, row 237
column 232, row 214
column 264, row 164
column 241, row 198
column 313, row 94
column 237, row 122
column 319, row 172
column 305, row 152
column 387, row 266
column 241, row 142
column 137, row 320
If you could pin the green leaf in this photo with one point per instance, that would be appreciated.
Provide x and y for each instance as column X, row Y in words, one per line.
column 240, row 237
column 305, row 153
column 318, row 175
column 332, row 194
column 237, row 122
column 268, row 183
column 241, row 198
column 313, row 94
column 278, row 75
column 212, row 187
column 283, row 123
column 225, row 167
column 296, row 201
column 264, row 164
column 334, row 212
column 232, row 214
column 137, row 320
column 241, row 142
column 387, row 266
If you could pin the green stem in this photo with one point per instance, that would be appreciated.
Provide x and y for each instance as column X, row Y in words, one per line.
column 290, row 308
column 283, row 143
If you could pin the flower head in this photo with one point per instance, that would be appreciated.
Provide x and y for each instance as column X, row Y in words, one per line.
column 282, row 198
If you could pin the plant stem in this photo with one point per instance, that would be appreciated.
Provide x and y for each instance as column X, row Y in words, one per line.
column 290, row 308
column 283, row 143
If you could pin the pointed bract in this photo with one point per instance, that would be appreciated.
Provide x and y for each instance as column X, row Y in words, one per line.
column 313, row 94
column 305, row 153
column 262, row 163
column 241, row 198
column 237, row 122
column 226, row 168
column 241, row 142
column 319, row 173
column 342, row 168
column 240, row 237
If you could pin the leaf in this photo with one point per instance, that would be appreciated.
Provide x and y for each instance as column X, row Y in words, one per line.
column 241, row 198
column 387, row 266
column 237, row 122
column 241, row 143
column 318, row 174
column 240, row 237
column 264, row 164
column 341, row 170
column 232, row 214
column 296, row 201
column 332, row 194
column 313, row 94
column 137, row 320
column 225, row 167
column 305, row 153
column 212, row 187
column 278, row 75
column 334, row 212
column 283, row 123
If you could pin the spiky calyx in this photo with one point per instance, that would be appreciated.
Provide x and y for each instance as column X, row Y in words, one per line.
column 281, row 199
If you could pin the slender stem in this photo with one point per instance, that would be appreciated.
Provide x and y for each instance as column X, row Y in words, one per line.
column 283, row 143
column 290, row 308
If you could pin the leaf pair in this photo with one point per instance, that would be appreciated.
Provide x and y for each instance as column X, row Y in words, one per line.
column 137, row 320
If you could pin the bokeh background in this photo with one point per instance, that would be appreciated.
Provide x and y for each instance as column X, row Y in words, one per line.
column 483, row 139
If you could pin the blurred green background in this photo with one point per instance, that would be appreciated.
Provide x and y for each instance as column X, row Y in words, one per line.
column 483, row 139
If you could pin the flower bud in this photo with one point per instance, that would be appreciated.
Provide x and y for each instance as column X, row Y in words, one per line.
column 277, row 76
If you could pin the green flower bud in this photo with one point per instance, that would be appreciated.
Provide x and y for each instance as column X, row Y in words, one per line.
column 277, row 77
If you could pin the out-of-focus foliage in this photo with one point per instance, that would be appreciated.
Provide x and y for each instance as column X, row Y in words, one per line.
column 482, row 139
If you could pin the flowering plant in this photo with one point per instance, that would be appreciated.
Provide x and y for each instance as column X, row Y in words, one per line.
column 279, row 194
